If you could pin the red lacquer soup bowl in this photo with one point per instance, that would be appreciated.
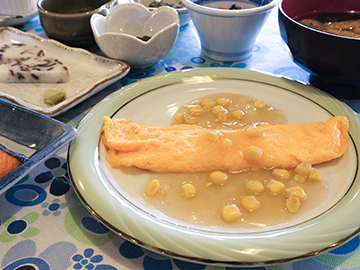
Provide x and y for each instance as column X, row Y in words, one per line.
column 332, row 60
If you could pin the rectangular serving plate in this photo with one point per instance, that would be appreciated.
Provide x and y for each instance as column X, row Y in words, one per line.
column 89, row 74
column 30, row 133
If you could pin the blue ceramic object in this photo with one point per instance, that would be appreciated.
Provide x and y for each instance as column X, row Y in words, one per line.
column 38, row 134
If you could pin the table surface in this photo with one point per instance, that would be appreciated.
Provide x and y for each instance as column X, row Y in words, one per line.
column 57, row 232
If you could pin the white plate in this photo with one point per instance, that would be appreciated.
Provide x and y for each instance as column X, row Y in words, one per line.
column 89, row 74
column 153, row 101
column 17, row 21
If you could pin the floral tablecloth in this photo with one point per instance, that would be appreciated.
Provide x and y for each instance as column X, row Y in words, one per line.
column 43, row 225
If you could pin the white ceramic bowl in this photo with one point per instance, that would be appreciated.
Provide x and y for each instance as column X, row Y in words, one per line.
column 119, row 33
column 17, row 7
column 184, row 15
column 228, row 35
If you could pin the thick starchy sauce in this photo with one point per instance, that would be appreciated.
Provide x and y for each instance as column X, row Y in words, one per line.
column 196, row 199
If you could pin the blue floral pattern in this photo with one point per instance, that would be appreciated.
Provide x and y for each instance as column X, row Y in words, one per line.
column 53, row 208
column 89, row 261
column 57, row 174
column 153, row 260
column 25, row 255
column 19, row 227
column 25, row 195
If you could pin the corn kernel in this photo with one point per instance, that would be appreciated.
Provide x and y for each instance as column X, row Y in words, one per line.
column 253, row 152
column 153, row 188
column 292, row 204
column 222, row 117
column 275, row 187
column 189, row 190
column 259, row 104
column 238, row 126
column 254, row 186
column 212, row 136
column 296, row 192
column 281, row 174
column 219, row 109
column 218, row 178
column 238, row 114
column 223, row 101
column 206, row 104
column 189, row 120
column 299, row 178
column 315, row 175
column 250, row 203
column 253, row 131
column 178, row 119
column 265, row 124
column 230, row 212
column 226, row 144
column 303, row 169
column 195, row 110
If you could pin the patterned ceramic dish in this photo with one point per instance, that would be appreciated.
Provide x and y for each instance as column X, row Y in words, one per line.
column 228, row 34
column 132, row 33
column 111, row 194
column 32, row 134
column 84, row 81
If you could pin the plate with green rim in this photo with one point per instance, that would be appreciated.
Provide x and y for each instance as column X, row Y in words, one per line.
column 153, row 101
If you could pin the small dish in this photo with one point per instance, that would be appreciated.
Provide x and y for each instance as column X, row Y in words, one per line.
column 89, row 74
column 132, row 33
column 32, row 134
column 20, row 10
column 15, row 7
column 69, row 21
column 228, row 34
column 184, row 15
column 19, row 20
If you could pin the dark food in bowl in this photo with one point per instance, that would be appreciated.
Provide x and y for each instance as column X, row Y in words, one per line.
column 233, row 6
column 230, row 6
column 332, row 60
column 144, row 38
column 343, row 24
column 160, row 3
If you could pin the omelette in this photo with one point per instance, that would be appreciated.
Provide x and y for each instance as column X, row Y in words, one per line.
column 189, row 148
